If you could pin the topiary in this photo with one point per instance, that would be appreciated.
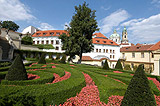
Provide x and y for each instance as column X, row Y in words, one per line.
column 105, row 66
column 57, row 56
column 42, row 59
column 119, row 65
column 17, row 70
column 127, row 67
column 139, row 92
column 63, row 60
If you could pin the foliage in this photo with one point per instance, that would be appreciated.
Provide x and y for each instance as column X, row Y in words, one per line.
column 4, row 68
column 135, row 68
column 42, row 59
column 10, row 25
column 27, row 40
column 127, row 67
column 82, row 27
column 17, row 70
column 57, row 56
column 105, row 66
column 63, row 60
column 139, row 92
column 44, row 46
column 119, row 65
column 4, row 64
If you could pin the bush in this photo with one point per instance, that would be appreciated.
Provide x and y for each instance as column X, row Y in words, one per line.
column 27, row 40
column 105, row 66
column 4, row 68
column 139, row 92
column 44, row 46
column 57, row 56
column 63, row 60
column 127, row 67
column 42, row 59
column 135, row 68
column 17, row 70
column 119, row 65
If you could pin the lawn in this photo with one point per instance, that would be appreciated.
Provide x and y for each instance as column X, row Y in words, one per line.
column 43, row 92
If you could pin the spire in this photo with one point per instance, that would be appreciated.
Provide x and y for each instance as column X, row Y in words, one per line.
column 115, row 31
column 124, row 30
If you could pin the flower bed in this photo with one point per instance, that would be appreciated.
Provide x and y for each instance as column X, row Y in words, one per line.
column 155, row 82
column 65, row 77
column 32, row 76
column 117, row 72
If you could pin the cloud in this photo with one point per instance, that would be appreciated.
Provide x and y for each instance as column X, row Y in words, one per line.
column 14, row 10
column 144, row 30
column 46, row 26
column 113, row 20
column 156, row 3
column 102, row 7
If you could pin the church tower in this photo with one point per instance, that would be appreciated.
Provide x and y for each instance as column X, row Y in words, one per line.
column 124, row 36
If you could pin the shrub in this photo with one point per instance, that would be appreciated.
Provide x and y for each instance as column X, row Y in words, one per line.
column 63, row 60
column 119, row 65
column 42, row 59
column 44, row 46
column 105, row 66
column 57, row 56
column 27, row 40
column 127, row 67
column 135, row 68
column 17, row 70
column 139, row 92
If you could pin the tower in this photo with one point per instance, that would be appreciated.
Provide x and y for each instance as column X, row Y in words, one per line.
column 124, row 36
column 115, row 37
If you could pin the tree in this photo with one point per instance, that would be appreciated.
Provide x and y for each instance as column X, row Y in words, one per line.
column 82, row 27
column 27, row 40
column 63, row 59
column 42, row 59
column 119, row 65
column 10, row 25
column 17, row 70
column 139, row 92
column 105, row 66
column 57, row 56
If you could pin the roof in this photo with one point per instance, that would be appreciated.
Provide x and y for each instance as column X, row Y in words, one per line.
column 136, row 48
column 49, row 33
column 84, row 58
column 155, row 47
column 99, row 35
column 115, row 34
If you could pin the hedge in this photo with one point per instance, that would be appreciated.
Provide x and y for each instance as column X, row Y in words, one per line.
column 4, row 68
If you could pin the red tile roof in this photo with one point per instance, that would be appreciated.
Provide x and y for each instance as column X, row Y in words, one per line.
column 155, row 47
column 84, row 58
column 49, row 33
column 99, row 35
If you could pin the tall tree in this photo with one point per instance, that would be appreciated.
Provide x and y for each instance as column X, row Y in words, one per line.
column 9, row 25
column 82, row 27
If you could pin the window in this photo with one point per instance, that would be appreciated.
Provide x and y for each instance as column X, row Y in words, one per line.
column 33, row 42
column 132, row 65
column 110, row 50
column 142, row 55
column 57, row 48
column 152, row 55
column 113, row 51
column 104, row 41
column 42, row 42
column 57, row 33
column 113, row 56
column 51, row 33
column 106, row 50
column 57, row 41
column 110, row 56
column 96, row 50
column 47, row 42
column 52, row 41
column 37, row 42
column 133, row 55
column 97, row 41
column 44, row 33
column 111, row 42
column 99, row 50
column 38, row 34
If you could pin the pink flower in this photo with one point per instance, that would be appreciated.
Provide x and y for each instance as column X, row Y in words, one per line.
column 53, row 66
column 117, row 72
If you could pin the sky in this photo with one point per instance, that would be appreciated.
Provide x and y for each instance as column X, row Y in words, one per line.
column 141, row 17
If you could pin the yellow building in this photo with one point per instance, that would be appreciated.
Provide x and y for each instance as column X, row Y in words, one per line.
column 147, row 54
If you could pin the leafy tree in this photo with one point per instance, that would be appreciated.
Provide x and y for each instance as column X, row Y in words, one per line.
column 27, row 40
column 105, row 66
column 57, row 56
column 119, row 65
column 9, row 25
column 63, row 60
column 42, row 59
column 17, row 70
column 82, row 27
column 139, row 92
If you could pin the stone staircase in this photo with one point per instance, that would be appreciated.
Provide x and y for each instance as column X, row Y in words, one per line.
column 5, row 48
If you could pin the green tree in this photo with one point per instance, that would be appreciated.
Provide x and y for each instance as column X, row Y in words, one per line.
column 139, row 92
column 42, row 59
column 63, row 60
column 119, row 65
column 9, row 25
column 27, row 40
column 17, row 70
column 105, row 66
column 82, row 27
column 57, row 56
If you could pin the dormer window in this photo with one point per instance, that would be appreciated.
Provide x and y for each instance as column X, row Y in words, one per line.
column 51, row 33
column 104, row 41
column 97, row 41
column 38, row 34
column 44, row 33
column 111, row 42
column 64, row 33
column 57, row 33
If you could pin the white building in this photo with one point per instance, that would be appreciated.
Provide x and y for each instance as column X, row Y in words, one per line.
column 30, row 30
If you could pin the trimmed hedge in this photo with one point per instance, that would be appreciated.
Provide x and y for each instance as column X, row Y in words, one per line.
column 119, row 65
column 57, row 56
column 127, row 67
column 105, row 66
column 42, row 59
column 139, row 92
column 17, row 70
column 63, row 60
column 4, row 68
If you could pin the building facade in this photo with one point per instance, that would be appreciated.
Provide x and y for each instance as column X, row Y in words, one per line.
column 30, row 30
